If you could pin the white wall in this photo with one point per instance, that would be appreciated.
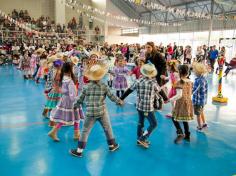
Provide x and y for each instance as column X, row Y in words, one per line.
column 115, row 39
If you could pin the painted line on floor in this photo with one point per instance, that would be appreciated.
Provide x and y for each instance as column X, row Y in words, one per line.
column 27, row 124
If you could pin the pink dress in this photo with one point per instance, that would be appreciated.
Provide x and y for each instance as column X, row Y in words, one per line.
column 32, row 64
column 174, row 78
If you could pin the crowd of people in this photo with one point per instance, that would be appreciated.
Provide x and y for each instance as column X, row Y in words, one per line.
column 42, row 24
column 78, row 75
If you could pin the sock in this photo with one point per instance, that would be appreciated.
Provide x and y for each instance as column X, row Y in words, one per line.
column 145, row 133
column 59, row 125
column 79, row 150
column 76, row 126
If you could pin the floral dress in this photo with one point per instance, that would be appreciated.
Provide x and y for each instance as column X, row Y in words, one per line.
column 183, row 110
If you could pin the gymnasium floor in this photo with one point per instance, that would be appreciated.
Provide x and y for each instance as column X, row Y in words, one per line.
column 26, row 150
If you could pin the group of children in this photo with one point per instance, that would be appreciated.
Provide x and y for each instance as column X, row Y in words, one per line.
column 64, row 99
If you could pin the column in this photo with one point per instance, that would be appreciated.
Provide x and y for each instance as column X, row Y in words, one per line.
column 60, row 11
column 211, row 22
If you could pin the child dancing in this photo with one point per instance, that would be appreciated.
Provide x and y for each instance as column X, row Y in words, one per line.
column 173, row 78
column 200, row 91
column 52, row 90
column 94, row 95
column 183, row 110
column 120, row 71
column 147, row 88
column 65, row 113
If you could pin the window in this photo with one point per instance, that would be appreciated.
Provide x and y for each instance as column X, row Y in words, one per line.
column 130, row 31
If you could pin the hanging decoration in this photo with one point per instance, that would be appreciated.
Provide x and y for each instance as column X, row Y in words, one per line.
column 90, row 9
column 173, row 10
column 184, row 12
column 95, row 17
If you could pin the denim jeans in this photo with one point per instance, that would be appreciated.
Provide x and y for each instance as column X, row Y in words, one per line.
column 150, row 116
column 88, row 125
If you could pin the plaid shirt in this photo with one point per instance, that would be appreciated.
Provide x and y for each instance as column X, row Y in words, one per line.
column 95, row 95
column 200, row 91
column 147, row 89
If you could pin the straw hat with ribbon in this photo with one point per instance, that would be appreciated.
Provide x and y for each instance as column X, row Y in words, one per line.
column 148, row 70
column 74, row 60
column 96, row 72
column 199, row 68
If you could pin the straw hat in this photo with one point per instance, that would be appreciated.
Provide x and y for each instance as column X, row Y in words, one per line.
column 98, row 54
column 40, row 51
column 74, row 60
column 199, row 68
column 148, row 70
column 96, row 72
column 51, row 59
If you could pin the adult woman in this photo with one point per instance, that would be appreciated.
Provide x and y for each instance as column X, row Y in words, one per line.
column 156, row 58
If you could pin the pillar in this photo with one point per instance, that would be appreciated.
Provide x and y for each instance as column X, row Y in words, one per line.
column 60, row 11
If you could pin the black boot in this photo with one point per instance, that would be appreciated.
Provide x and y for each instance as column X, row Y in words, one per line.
column 187, row 136
column 180, row 136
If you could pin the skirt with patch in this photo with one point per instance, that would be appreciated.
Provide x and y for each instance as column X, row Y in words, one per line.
column 53, row 97
column 65, row 112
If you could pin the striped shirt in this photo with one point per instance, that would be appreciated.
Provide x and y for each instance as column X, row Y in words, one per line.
column 94, row 95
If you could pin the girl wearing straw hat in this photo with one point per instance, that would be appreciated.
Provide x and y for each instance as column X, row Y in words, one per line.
column 147, row 88
column 94, row 95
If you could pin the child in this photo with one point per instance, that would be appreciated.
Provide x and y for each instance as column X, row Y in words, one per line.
column 26, row 65
column 200, row 91
column 64, row 113
column 53, row 92
column 174, row 78
column 75, row 62
column 120, row 71
column 136, row 71
column 32, row 64
column 183, row 110
column 147, row 88
column 94, row 95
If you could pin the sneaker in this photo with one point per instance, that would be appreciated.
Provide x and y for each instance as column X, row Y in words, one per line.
column 74, row 152
column 179, row 138
column 148, row 142
column 187, row 138
column 199, row 129
column 113, row 147
column 142, row 143
column 169, row 116
column 204, row 126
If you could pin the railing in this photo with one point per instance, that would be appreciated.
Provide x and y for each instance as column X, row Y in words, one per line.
column 89, row 36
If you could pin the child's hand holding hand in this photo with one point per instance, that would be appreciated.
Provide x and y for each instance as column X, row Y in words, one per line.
column 163, row 77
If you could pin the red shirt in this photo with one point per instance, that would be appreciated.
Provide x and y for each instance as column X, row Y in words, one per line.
column 136, row 72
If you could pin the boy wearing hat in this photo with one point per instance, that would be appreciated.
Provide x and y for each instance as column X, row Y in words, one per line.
column 147, row 88
column 94, row 95
column 200, row 91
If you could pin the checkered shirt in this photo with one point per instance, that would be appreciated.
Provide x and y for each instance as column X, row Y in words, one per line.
column 200, row 91
column 147, row 89
column 94, row 95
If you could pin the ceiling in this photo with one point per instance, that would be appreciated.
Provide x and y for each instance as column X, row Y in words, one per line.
column 217, row 7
